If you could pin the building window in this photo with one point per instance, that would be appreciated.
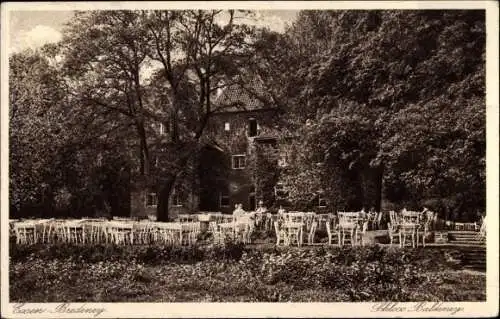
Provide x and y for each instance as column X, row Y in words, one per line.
column 177, row 200
column 321, row 201
column 280, row 191
column 283, row 160
column 179, row 197
column 227, row 127
column 163, row 130
column 238, row 161
column 223, row 199
column 252, row 127
column 151, row 200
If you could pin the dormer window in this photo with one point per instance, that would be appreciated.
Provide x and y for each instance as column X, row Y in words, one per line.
column 252, row 127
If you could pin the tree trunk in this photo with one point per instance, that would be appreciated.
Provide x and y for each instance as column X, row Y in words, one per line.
column 372, row 187
column 163, row 198
column 379, row 179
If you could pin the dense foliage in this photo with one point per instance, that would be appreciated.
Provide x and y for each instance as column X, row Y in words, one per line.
column 388, row 103
column 234, row 274
column 55, row 146
column 381, row 106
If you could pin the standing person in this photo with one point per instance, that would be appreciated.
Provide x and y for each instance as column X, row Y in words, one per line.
column 238, row 211
column 372, row 216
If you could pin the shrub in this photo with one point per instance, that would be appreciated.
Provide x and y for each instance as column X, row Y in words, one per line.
column 153, row 254
column 231, row 273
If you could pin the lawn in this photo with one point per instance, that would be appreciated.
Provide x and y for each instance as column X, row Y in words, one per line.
column 233, row 273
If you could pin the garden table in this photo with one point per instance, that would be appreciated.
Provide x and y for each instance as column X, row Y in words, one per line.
column 411, row 217
column 187, row 218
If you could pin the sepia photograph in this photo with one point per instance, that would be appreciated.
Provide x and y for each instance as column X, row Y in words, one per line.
column 246, row 155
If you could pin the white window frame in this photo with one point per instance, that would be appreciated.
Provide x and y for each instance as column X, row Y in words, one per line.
column 321, row 198
column 162, row 129
column 176, row 201
column 233, row 161
column 283, row 159
column 155, row 200
column 227, row 126
column 221, row 195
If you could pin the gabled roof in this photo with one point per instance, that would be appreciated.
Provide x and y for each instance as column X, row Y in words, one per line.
column 238, row 98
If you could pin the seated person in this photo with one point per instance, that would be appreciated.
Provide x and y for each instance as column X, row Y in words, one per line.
column 362, row 213
column 281, row 210
column 261, row 209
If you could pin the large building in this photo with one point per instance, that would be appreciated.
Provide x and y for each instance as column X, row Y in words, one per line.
column 224, row 172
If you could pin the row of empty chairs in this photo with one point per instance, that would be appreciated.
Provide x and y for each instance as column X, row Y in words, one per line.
column 96, row 231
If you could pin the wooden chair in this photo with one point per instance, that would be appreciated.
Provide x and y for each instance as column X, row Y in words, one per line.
column 217, row 234
column 25, row 233
column 75, row 232
column 142, row 232
column 360, row 233
column 394, row 218
column 332, row 229
column 348, row 225
column 424, row 231
column 281, row 234
column 312, row 232
column 294, row 233
column 121, row 233
column 408, row 230
column 190, row 233
column 394, row 232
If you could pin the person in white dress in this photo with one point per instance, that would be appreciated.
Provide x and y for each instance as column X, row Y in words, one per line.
column 238, row 211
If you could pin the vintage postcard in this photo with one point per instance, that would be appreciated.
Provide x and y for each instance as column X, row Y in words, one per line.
column 249, row 159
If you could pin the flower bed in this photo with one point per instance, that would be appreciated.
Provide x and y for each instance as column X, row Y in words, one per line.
column 233, row 273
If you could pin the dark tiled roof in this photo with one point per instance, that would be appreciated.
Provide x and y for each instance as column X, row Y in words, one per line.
column 237, row 98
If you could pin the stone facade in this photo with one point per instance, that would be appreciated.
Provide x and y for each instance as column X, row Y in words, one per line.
column 234, row 135
column 220, row 176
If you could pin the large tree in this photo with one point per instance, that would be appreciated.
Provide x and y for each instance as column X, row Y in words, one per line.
column 53, row 141
column 388, row 96
column 157, row 66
